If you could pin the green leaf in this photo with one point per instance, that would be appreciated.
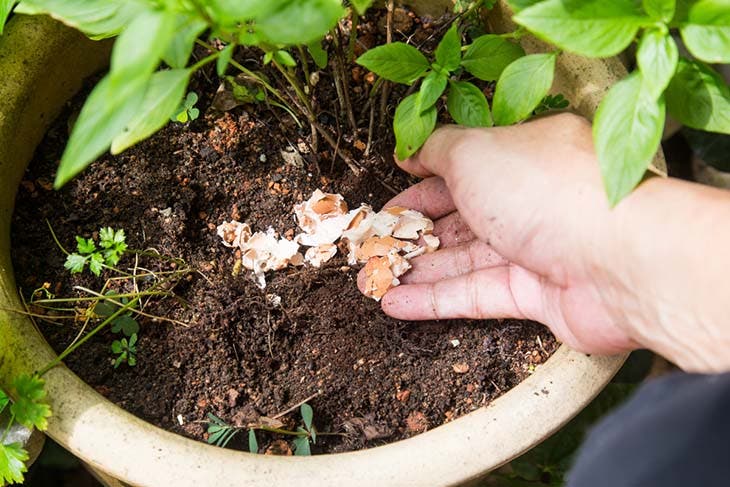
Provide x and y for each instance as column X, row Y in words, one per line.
column 432, row 88
column 467, row 105
column 187, row 29
column 12, row 463
column 191, row 99
column 221, row 64
column 85, row 245
column 283, row 57
column 96, row 263
column 182, row 116
column 661, row 10
column 29, row 408
column 126, row 324
column 518, row 5
column 132, row 341
column 448, row 52
column 522, row 86
column 627, row 131
column 4, row 399
column 132, row 361
column 319, row 55
column 117, row 346
column 96, row 18
column 75, row 263
column 301, row 446
column 106, row 237
column 194, row 112
column 412, row 127
column 707, row 32
column 698, row 97
column 397, row 62
column 6, row 6
column 233, row 12
column 361, row 5
column 593, row 28
column 162, row 98
column 253, row 444
column 139, row 48
column 104, row 115
column 300, row 21
column 307, row 415
column 489, row 55
column 657, row 58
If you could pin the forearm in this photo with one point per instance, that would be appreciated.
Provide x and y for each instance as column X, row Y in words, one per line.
column 674, row 254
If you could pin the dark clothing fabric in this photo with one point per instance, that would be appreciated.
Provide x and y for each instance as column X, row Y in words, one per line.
column 674, row 432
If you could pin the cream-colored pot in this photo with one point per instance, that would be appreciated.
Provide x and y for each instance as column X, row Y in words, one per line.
column 41, row 65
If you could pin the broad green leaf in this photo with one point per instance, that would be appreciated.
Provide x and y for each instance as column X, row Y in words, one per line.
column 139, row 48
column 518, row 5
column 301, row 446
column 75, row 263
column 411, row 127
column 253, row 444
column 657, row 58
column 361, row 6
column 29, row 408
column 522, row 87
column 397, row 62
column 707, row 31
column 85, row 245
column 467, row 105
column 307, row 415
column 448, row 52
column 432, row 88
column 319, row 55
column 593, row 28
column 107, row 111
column 232, row 12
column 126, row 324
column 698, row 97
column 162, row 98
column 187, row 29
column 627, row 131
column 12, row 463
column 488, row 55
column 96, row 18
column 221, row 64
column 300, row 21
column 117, row 346
column 4, row 400
column 6, row 6
column 661, row 10
column 96, row 263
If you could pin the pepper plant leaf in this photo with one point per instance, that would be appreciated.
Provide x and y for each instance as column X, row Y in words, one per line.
column 397, row 62
column 448, row 51
column 432, row 88
column 657, row 58
column 522, row 87
column 707, row 31
column 412, row 127
column 163, row 95
column 6, row 6
column 187, row 29
column 627, row 131
column 698, row 97
column 489, row 55
column 593, row 28
column 661, row 10
column 319, row 55
column 467, row 105
column 300, row 21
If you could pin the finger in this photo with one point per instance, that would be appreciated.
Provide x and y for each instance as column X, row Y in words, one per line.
column 425, row 162
column 431, row 197
column 478, row 295
column 452, row 231
column 451, row 262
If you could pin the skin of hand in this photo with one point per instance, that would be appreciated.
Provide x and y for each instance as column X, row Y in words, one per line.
column 527, row 233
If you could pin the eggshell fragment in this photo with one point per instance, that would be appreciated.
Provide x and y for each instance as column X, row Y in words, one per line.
column 320, row 254
column 378, row 277
column 234, row 233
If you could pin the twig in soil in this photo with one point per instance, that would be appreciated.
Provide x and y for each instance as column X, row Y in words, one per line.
column 371, row 123
column 136, row 311
column 284, row 413
column 388, row 39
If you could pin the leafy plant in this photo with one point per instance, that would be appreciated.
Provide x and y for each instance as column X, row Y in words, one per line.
column 126, row 351
column 124, row 322
column 113, row 245
column 552, row 102
column 308, row 433
column 187, row 110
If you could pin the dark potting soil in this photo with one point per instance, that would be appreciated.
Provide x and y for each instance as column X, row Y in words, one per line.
column 240, row 354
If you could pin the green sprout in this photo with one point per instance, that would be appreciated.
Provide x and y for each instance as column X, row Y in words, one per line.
column 126, row 351
column 113, row 245
column 187, row 110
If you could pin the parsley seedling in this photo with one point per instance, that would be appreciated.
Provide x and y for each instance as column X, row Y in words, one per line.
column 113, row 245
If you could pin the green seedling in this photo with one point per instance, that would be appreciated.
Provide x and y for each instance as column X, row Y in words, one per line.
column 126, row 351
column 552, row 102
column 124, row 322
column 187, row 110
column 113, row 245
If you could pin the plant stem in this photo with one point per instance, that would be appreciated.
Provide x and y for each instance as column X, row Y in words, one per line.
column 55, row 239
column 93, row 332
column 294, row 82
column 353, row 36
column 205, row 60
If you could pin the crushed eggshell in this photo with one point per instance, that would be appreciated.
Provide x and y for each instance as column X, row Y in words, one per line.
column 384, row 241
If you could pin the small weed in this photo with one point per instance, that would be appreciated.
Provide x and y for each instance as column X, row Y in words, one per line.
column 187, row 110
column 113, row 245
column 552, row 102
column 126, row 351
column 125, row 322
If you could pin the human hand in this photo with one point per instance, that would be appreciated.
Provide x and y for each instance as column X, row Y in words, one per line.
column 527, row 233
